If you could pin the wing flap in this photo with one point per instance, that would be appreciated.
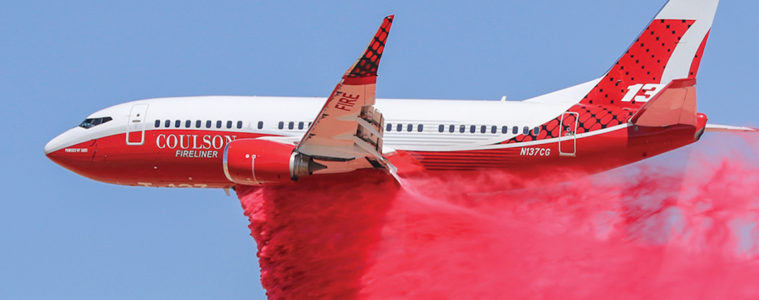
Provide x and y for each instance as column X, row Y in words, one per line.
column 331, row 134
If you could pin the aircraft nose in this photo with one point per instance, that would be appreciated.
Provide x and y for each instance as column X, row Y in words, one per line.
column 66, row 151
column 75, row 150
column 56, row 143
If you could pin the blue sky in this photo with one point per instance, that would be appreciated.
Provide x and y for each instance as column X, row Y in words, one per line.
column 68, row 237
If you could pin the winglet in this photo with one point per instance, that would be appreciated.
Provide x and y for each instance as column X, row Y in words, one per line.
column 365, row 68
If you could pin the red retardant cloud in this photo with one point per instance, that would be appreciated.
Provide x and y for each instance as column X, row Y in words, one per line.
column 687, row 229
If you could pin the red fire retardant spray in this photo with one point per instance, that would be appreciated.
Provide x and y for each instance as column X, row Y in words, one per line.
column 684, row 226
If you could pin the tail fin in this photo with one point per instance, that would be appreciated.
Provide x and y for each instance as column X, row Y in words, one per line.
column 670, row 48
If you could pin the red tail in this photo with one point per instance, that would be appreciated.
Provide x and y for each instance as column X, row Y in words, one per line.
column 670, row 48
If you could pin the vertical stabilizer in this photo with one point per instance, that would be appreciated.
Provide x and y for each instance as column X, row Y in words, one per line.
column 670, row 48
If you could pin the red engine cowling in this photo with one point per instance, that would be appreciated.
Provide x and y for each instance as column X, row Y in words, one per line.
column 258, row 162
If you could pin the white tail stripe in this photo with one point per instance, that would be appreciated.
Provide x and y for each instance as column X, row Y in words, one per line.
column 702, row 11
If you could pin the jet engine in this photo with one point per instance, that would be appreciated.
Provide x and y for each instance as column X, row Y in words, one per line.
column 258, row 162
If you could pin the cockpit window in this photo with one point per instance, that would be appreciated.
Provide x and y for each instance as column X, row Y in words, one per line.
column 92, row 122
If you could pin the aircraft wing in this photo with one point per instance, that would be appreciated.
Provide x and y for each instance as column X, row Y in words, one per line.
column 348, row 127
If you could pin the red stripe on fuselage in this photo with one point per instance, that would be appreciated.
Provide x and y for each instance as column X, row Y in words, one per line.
column 174, row 158
column 193, row 158
column 593, row 154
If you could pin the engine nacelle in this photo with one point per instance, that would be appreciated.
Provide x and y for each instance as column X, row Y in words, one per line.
column 258, row 162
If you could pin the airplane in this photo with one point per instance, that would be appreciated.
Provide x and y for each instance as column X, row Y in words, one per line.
column 644, row 105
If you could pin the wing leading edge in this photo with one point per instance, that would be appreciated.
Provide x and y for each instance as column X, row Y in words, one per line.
column 348, row 127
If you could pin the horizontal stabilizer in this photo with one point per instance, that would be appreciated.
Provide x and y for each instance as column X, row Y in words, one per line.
column 674, row 104
column 728, row 128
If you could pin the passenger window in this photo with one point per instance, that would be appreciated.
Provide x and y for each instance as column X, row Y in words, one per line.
column 229, row 124
column 399, row 127
column 208, row 123
column 441, row 128
column 167, row 124
column 494, row 129
column 301, row 125
column 157, row 123
column 187, row 124
column 536, row 131
column 239, row 124
column 420, row 127
column 218, row 124
column 515, row 130
column 260, row 124
column 451, row 128
column 410, row 127
column 483, row 129
column 291, row 125
column 177, row 123
column 462, row 128
column 505, row 129
column 198, row 123
column 281, row 125
column 526, row 130
column 473, row 128
column 389, row 127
